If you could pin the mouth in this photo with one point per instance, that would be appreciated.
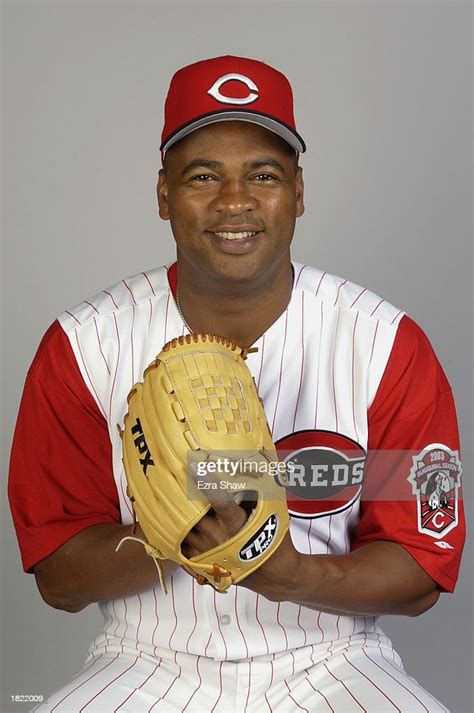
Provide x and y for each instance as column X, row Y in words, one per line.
column 235, row 241
column 228, row 235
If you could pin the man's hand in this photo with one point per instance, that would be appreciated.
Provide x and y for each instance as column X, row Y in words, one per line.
column 275, row 578
column 379, row 578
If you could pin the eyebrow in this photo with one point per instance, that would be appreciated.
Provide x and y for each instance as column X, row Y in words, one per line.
column 216, row 165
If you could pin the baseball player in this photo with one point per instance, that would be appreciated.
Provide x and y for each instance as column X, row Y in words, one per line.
column 358, row 407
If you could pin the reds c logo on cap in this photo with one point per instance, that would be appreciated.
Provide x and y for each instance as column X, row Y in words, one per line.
column 214, row 91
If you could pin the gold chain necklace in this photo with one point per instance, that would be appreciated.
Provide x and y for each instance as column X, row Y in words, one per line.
column 180, row 311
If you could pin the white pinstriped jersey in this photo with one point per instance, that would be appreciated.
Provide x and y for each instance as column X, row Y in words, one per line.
column 317, row 367
column 343, row 375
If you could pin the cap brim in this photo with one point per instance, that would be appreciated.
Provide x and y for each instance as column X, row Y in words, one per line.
column 283, row 130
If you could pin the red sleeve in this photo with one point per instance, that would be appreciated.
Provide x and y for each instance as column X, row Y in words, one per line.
column 61, row 479
column 412, row 488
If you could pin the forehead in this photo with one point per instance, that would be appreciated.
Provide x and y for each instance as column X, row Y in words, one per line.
column 230, row 138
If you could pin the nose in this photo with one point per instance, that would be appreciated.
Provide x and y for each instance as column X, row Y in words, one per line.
column 235, row 197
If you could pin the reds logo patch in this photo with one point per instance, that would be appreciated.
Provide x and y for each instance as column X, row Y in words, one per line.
column 325, row 471
column 435, row 477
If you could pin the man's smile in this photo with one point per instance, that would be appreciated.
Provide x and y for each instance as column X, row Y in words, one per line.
column 235, row 240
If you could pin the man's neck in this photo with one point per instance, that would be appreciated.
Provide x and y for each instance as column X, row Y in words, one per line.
column 241, row 312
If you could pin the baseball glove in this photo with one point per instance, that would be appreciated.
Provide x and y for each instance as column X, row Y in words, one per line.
column 198, row 404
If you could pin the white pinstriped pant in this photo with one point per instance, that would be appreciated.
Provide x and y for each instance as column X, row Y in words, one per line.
column 360, row 673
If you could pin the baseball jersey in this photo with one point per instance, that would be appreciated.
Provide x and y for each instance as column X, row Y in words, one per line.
column 356, row 402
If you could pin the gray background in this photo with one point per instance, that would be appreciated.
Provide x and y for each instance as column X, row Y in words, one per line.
column 383, row 99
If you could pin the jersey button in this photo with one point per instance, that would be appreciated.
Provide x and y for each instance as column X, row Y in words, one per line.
column 226, row 619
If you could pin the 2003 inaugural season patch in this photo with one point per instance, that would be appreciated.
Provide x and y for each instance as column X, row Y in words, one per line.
column 435, row 477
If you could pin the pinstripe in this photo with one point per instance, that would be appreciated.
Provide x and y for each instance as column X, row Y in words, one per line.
column 359, row 295
column 372, row 683
column 207, row 645
column 116, row 369
column 176, row 678
column 320, row 627
column 134, row 690
column 334, row 369
column 310, row 526
column 100, row 346
column 220, row 689
column 376, row 308
column 157, row 616
column 106, row 292
column 261, row 362
column 269, row 686
column 174, row 612
column 389, row 663
column 131, row 293
column 197, row 687
column 74, row 317
column 132, row 351
column 338, row 291
column 329, row 534
column 302, row 360
column 249, row 686
column 219, row 623
column 151, row 286
column 91, row 305
column 151, row 315
column 140, row 607
column 346, row 533
column 295, row 702
column 81, row 673
column 299, row 275
column 195, row 615
column 354, row 378
column 116, row 618
column 166, row 317
column 321, row 694
column 126, row 624
column 281, row 625
column 396, row 317
column 83, row 682
column 89, row 376
column 305, row 633
column 344, row 685
column 238, row 622
column 257, row 599
column 281, row 372
column 320, row 282
column 373, row 342
column 319, row 366
column 109, row 684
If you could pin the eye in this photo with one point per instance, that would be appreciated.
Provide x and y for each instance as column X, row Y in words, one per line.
column 264, row 177
column 202, row 178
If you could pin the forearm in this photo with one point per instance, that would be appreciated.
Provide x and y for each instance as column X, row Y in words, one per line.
column 380, row 578
column 87, row 568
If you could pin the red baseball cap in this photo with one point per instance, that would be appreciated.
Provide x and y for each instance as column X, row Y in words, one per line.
column 228, row 89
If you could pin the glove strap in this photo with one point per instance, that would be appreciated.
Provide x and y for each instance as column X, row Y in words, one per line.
column 153, row 553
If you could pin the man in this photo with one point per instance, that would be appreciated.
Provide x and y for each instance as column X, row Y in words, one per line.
column 339, row 370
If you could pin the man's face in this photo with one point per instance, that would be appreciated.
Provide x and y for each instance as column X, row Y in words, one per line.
column 232, row 193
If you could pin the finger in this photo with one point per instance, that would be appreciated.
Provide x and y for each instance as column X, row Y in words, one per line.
column 231, row 515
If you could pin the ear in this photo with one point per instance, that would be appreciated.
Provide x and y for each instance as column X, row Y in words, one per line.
column 299, row 187
column 162, row 195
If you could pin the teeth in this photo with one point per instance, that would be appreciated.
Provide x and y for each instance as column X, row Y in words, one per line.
column 236, row 236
